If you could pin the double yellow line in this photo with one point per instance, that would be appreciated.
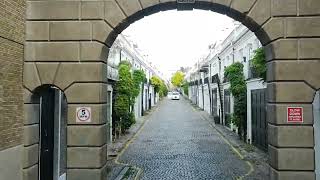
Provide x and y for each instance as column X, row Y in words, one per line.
column 234, row 149
column 140, row 171
column 127, row 146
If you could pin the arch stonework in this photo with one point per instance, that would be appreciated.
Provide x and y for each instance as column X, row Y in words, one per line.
column 67, row 45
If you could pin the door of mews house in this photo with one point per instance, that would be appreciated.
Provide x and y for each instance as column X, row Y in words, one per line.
column 52, row 154
column 227, row 108
column 214, row 110
column 259, row 120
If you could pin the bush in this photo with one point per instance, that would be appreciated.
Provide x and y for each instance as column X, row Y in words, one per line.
column 159, row 86
column 126, row 90
column 238, row 89
column 128, row 120
column 259, row 63
column 185, row 87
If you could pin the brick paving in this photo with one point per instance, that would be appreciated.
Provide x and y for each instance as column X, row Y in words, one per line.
column 177, row 144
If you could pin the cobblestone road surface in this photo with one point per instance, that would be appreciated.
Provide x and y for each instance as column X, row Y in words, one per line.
column 177, row 144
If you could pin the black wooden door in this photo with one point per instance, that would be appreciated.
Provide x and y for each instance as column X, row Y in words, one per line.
column 259, row 121
column 214, row 102
column 227, row 108
column 47, row 134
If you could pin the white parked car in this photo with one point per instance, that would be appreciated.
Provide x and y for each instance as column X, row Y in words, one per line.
column 170, row 95
column 175, row 96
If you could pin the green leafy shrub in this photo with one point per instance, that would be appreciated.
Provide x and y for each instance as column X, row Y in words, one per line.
column 128, row 120
column 185, row 87
column 259, row 63
column 126, row 89
column 138, row 77
column 238, row 88
column 121, row 105
column 159, row 86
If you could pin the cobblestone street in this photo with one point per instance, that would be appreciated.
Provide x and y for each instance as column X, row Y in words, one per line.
column 177, row 144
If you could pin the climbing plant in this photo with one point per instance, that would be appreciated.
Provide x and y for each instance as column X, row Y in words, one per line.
column 238, row 88
column 123, row 98
column 159, row 86
column 163, row 89
column 259, row 63
column 156, row 83
column 138, row 77
column 185, row 87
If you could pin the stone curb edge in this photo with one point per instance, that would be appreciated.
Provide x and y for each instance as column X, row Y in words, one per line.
column 128, row 142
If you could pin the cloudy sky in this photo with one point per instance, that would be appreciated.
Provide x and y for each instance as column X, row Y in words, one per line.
column 172, row 39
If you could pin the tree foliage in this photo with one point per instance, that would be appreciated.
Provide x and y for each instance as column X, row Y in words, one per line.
column 124, row 98
column 159, row 86
column 163, row 90
column 125, row 83
column 259, row 63
column 156, row 83
column 177, row 79
column 238, row 88
column 138, row 77
column 185, row 87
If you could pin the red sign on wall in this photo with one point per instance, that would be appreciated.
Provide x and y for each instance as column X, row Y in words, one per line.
column 295, row 115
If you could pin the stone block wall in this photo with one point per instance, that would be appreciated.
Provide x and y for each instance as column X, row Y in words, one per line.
column 12, row 38
column 12, row 35
column 67, row 46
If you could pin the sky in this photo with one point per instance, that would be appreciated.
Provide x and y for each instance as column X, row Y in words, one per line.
column 174, row 39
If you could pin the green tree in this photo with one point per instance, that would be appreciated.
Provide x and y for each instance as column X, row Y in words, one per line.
column 238, row 88
column 156, row 83
column 159, row 86
column 185, row 87
column 177, row 79
column 124, row 97
column 163, row 89
column 259, row 63
column 138, row 77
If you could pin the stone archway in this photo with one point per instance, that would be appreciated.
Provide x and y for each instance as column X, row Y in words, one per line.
column 67, row 46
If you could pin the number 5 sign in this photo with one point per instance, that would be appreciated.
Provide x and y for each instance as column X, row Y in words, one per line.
column 83, row 114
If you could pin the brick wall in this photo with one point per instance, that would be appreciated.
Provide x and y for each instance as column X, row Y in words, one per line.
column 12, row 34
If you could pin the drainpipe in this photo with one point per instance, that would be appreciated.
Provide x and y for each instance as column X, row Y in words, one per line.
column 219, row 91
column 202, row 92
column 209, row 89
column 142, row 95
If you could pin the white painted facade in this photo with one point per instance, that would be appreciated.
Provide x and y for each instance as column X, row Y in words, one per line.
column 125, row 50
column 239, row 46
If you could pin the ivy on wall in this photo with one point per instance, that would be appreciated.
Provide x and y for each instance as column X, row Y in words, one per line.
column 185, row 87
column 159, row 86
column 138, row 77
column 238, row 88
column 259, row 63
column 127, row 89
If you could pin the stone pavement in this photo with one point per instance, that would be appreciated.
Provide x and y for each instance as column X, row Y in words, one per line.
column 116, row 147
column 257, row 157
column 176, row 143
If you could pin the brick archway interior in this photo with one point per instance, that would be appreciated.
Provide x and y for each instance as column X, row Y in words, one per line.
column 67, row 45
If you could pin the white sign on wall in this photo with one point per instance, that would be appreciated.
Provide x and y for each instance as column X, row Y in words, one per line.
column 83, row 114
